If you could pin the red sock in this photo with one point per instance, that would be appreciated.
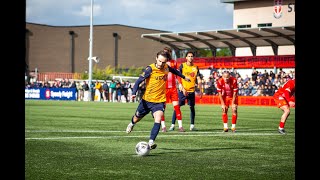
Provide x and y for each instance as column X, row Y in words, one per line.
column 234, row 119
column 224, row 118
column 178, row 112
column 162, row 118
column 281, row 125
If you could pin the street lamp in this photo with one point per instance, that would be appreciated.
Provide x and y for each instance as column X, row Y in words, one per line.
column 90, row 52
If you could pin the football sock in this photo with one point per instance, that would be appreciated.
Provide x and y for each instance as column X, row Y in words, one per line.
column 191, row 126
column 233, row 125
column 155, row 131
column 163, row 124
column 225, row 125
column 234, row 119
column 151, row 141
column 174, row 117
column 162, row 118
column 172, row 125
column 224, row 118
column 281, row 125
column 178, row 112
column 132, row 120
column 180, row 123
column 192, row 114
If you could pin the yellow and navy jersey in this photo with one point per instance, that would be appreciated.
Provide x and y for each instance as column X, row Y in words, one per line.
column 155, row 82
column 192, row 72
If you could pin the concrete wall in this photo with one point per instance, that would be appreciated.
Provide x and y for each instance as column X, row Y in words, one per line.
column 256, row 12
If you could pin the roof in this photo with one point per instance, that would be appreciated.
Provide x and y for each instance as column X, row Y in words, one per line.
column 232, row 38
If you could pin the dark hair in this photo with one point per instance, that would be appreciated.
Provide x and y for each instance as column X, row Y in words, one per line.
column 190, row 52
column 164, row 54
column 168, row 50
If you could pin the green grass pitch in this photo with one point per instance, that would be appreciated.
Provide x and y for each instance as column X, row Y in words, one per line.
column 87, row 140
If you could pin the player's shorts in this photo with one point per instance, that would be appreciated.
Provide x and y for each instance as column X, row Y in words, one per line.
column 279, row 100
column 145, row 107
column 191, row 97
column 228, row 101
column 171, row 94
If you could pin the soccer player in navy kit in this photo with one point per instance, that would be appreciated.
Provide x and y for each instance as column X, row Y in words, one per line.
column 154, row 98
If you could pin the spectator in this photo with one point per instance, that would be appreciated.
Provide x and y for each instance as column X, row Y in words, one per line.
column 105, row 91
column 113, row 93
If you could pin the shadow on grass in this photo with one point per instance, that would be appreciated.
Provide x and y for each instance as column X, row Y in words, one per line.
column 174, row 150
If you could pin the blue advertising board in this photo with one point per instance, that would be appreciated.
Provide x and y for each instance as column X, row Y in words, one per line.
column 51, row 93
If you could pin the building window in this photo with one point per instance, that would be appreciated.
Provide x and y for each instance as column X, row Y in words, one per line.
column 244, row 26
column 265, row 25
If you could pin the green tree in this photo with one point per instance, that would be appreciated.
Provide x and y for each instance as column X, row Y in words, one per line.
column 223, row 52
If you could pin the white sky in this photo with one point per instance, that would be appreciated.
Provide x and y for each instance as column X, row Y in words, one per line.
column 168, row 15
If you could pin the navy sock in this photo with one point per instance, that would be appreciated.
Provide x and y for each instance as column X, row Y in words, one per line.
column 174, row 117
column 155, row 131
column 192, row 114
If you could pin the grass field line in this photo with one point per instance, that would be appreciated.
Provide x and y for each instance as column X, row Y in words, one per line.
column 160, row 135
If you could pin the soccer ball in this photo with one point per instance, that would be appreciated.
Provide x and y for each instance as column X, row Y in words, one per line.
column 142, row 148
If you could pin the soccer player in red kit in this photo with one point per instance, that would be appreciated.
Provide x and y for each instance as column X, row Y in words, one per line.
column 284, row 99
column 172, row 95
column 227, row 88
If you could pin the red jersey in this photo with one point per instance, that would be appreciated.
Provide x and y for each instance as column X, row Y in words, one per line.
column 287, row 90
column 171, row 80
column 227, row 88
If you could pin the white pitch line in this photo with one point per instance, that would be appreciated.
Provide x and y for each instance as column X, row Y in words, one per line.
column 162, row 136
column 72, row 131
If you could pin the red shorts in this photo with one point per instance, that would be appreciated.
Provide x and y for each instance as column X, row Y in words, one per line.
column 280, row 101
column 171, row 95
column 228, row 101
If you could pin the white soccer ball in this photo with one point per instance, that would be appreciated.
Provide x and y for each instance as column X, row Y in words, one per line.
column 142, row 148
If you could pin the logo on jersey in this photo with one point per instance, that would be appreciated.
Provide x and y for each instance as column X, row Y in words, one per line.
column 277, row 9
column 164, row 77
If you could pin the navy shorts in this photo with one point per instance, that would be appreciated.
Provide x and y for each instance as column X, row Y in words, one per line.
column 145, row 107
column 191, row 97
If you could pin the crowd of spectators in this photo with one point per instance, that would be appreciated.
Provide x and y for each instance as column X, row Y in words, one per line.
column 258, row 84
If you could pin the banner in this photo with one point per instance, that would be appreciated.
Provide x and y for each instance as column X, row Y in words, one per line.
column 243, row 62
column 51, row 93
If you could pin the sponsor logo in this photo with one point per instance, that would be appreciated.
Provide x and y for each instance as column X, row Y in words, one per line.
column 47, row 94
column 164, row 77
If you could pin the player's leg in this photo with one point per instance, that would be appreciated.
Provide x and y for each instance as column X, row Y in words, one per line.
column 283, row 105
column 139, row 114
column 234, row 115
column 181, row 102
column 157, row 110
column 225, row 115
column 163, row 124
column 192, row 102
column 284, row 117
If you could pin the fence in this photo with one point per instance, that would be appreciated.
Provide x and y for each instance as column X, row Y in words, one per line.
column 51, row 76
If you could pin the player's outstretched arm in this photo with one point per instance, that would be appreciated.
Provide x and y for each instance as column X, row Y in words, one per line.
column 146, row 73
column 178, row 73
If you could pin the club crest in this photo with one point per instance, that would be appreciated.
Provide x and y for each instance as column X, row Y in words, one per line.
column 277, row 9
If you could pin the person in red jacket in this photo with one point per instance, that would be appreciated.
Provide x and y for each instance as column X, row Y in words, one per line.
column 284, row 99
column 227, row 89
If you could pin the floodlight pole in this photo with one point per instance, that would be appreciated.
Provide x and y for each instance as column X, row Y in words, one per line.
column 90, row 52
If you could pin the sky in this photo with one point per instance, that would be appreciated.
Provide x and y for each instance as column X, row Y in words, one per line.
column 166, row 15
